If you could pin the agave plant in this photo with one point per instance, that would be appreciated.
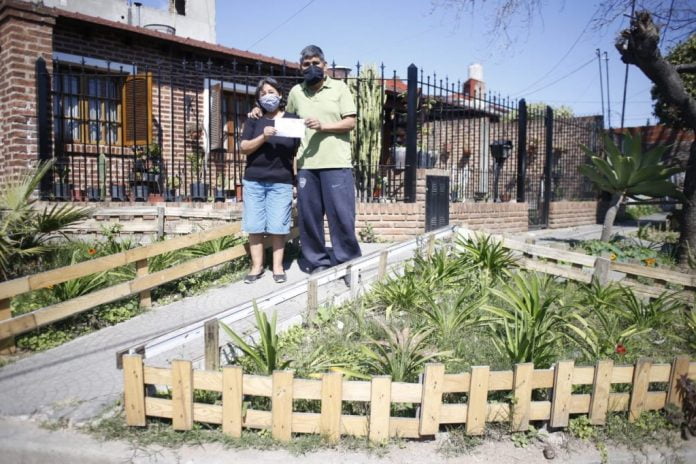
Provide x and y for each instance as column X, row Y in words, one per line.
column 634, row 172
column 689, row 335
column 24, row 230
column 396, row 294
column 528, row 319
column 214, row 246
column 264, row 355
column 649, row 313
column 485, row 254
column 400, row 352
column 452, row 314
column 80, row 286
column 440, row 271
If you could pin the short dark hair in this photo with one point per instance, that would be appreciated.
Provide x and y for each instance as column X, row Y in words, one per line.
column 310, row 51
column 273, row 83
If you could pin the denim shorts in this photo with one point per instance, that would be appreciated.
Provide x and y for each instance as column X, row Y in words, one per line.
column 267, row 207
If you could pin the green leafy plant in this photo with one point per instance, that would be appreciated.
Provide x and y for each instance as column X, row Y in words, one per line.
column 399, row 352
column 214, row 246
column 528, row 319
column 24, row 230
column 367, row 234
column 649, row 313
column 80, row 286
column 396, row 294
column 486, row 254
column 636, row 172
column 265, row 354
column 451, row 315
column 581, row 428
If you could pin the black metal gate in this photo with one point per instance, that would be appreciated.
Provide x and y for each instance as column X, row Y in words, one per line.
column 436, row 202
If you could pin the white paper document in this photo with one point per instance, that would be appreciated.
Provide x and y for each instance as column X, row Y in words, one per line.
column 290, row 127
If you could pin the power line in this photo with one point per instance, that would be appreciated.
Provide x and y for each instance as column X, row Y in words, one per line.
column 281, row 24
column 565, row 55
column 584, row 65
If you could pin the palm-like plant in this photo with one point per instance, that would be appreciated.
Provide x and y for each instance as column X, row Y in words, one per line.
column 649, row 313
column 485, row 254
column 396, row 294
column 264, row 355
column 24, row 230
column 636, row 172
column 451, row 315
column 528, row 319
column 400, row 352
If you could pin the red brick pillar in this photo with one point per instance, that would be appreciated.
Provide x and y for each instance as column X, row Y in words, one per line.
column 26, row 34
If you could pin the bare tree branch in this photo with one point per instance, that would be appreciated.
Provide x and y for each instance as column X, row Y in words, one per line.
column 686, row 68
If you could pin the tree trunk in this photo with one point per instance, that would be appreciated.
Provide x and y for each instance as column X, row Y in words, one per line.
column 638, row 45
column 687, row 221
column 610, row 217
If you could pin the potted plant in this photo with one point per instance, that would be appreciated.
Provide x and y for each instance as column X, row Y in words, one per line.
column 480, row 196
column 77, row 194
column 219, row 191
column 199, row 190
column 141, row 192
column 61, row 189
column 93, row 193
column 173, row 183
column 454, row 193
column 155, row 198
column 118, row 192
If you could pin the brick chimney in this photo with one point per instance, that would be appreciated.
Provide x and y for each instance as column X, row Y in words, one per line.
column 474, row 86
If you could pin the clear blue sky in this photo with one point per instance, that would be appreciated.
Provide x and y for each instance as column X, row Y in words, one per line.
column 400, row 32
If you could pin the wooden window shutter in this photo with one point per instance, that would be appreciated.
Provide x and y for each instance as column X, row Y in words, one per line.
column 216, row 126
column 137, row 109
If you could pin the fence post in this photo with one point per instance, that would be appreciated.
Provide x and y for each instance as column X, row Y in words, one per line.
column 312, row 300
column 7, row 345
column 182, row 395
column 477, row 406
column 331, row 398
column 562, row 389
column 160, row 222
column 522, row 396
column 411, row 135
column 601, row 270
column 601, row 388
column 380, row 408
column 680, row 367
column 548, row 165
column 431, row 399
column 521, row 149
column 639, row 389
column 134, row 390
column 144, row 297
column 382, row 268
column 281, row 406
column 211, row 340
column 232, row 381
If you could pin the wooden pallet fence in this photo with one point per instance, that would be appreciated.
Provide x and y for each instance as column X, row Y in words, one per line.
column 437, row 407
column 584, row 268
column 141, row 285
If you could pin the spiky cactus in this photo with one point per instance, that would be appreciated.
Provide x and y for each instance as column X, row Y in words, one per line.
column 366, row 139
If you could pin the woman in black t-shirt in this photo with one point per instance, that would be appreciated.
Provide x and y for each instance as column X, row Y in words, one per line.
column 267, row 180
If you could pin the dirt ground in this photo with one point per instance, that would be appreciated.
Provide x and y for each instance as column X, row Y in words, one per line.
column 26, row 442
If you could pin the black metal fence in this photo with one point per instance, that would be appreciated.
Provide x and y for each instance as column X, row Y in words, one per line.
column 131, row 133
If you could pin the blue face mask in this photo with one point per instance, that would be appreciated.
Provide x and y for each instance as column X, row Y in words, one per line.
column 269, row 102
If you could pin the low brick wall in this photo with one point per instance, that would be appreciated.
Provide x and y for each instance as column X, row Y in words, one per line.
column 572, row 213
column 492, row 217
column 391, row 221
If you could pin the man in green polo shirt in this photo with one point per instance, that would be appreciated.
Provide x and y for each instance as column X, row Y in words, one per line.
column 325, row 182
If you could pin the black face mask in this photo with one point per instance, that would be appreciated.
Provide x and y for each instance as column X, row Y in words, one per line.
column 313, row 75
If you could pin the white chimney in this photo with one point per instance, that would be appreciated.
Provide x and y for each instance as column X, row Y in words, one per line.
column 476, row 71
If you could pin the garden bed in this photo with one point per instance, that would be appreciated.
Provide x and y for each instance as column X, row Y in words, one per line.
column 548, row 344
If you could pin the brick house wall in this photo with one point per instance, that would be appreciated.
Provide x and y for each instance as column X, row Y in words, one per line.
column 25, row 35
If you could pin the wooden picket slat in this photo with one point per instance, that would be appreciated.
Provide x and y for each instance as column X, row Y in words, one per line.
column 560, row 404
column 521, row 396
column 433, row 382
column 211, row 343
column 382, row 266
column 281, row 406
column 380, row 402
column 601, row 388
column 550, row 253
column 656, row 273
column 331, row 400
column 680, row 367
column 134, row 390
column 232, row 381
column 157, row 375
column 182, row 395
column 478, row 400
column 639, row 390
column 207, row 380
column 554, row 269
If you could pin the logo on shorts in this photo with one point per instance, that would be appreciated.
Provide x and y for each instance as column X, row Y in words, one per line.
column 303, row 182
